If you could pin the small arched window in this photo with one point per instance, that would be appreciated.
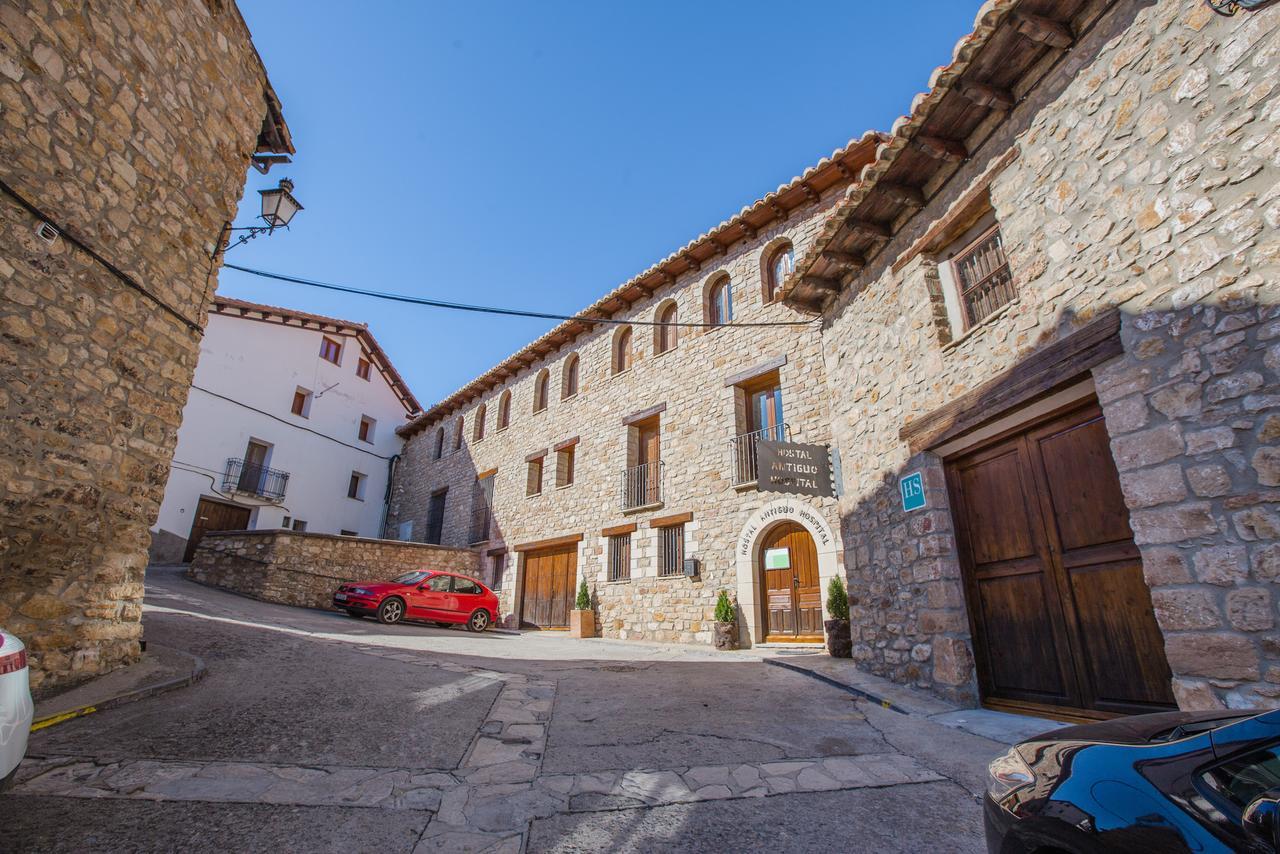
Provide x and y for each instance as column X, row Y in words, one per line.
column 782, row 263
column 666, row 334
column 440, row 441
column 504, row 410
column 477, row 429
column 622, row 350
column 457, row 435
column 540, row 390
column 569, row 377
column 720, row 302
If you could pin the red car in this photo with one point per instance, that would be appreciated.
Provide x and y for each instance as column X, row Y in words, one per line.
column 435, row 597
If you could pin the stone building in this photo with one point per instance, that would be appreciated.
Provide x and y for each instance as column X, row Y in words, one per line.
column 128, row 130
column 614, row 450
column 1061, row 309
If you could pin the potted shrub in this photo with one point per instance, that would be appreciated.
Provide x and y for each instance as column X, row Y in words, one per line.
column 839, row 640
column 582, row 620
column 726, row 636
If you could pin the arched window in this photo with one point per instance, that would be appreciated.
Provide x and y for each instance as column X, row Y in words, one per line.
column 569, row 377
column 720, row 302
column 666, row 334
column 504, row 410
column 540, row 390
column 781, row 264
column 622, row 350
column 440, row 441
column 477, row 429
column 457, row 435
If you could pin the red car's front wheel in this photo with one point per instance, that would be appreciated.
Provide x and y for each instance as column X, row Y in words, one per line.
column 479, row 621
column 391, row 610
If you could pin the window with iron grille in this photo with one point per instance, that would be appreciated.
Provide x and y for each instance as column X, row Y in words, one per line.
column 671, row 550
column 482, row 508
column 620, row 558
column 983, row 277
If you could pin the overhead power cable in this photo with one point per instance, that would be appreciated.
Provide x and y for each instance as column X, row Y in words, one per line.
column 485, row 309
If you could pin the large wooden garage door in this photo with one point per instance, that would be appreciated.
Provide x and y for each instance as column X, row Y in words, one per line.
column 548, row 587
column 1061, row 614
column 214, row 516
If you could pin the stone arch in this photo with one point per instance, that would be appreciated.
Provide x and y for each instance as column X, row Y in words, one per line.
column 621, row 352
column 710, row 288
column 768, row 286
column 666, row 336
column 747, row 556
column 540, row 386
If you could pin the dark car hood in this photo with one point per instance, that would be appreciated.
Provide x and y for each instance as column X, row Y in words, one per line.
column 1138, row 729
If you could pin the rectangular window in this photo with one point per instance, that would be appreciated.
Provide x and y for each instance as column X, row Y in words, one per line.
column 355, row 486
column 330, row 350
column 284, row 523
column 301, row 403
column 620, row 558
column 367, row 426
column 482, row 508
column 299, row 525
column 347, row 533
column 533, row 486
column 362, row 369
column 671, row 550
column 435, row 517
column 499, row 569
column 983, row 278
column 405, row 532
column 564, row 466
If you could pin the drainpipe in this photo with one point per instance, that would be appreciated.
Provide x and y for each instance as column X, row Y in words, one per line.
column 386, row 497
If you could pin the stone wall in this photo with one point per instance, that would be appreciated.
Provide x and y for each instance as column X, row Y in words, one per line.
column 1147, row 181
column 130, row 126
column 304, row 569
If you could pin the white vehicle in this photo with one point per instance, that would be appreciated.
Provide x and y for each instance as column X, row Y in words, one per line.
column 16, row 707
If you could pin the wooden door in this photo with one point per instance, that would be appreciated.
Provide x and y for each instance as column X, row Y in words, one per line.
column 651, row 460
column 1061, row 615
column 548, row 587
column 214, row 516
column 252, row 473
column 792, row 594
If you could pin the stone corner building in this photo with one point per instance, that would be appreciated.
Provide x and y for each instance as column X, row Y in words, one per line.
column 127, row 133
column 1052, row 291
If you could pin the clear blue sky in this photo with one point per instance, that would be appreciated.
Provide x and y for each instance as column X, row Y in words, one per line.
column 539, row 155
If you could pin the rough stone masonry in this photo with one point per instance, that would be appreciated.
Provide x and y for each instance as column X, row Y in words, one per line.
column 129, row 127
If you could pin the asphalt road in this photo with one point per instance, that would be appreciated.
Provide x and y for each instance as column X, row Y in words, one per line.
column 316, row 732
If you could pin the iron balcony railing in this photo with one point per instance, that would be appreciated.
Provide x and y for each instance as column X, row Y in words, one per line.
column 642, row 485
column 745, row 453
column 255, row 479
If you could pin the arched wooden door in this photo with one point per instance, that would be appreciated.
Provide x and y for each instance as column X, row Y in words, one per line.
column 788, row 566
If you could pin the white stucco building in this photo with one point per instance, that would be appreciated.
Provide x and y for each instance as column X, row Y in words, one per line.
column 290, row 422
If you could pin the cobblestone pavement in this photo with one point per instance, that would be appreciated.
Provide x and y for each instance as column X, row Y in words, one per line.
column 316, row 732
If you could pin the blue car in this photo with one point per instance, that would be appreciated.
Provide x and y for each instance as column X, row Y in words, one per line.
column 1173, row 781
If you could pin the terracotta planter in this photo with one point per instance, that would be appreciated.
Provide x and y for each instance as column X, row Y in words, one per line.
column 839, row 641
column 726, row 636
column 582, row 624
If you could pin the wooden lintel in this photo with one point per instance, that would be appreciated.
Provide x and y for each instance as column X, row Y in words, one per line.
column 987, row 96
column 844, row 259
column 618, row 530
column 755, row 371
column 941, row 148
column 643, row 414
column 867, row 228
column 673, row 519
column 1044, row 30
column 821, row 283
column 536, row 455
column 903, row 194
column 1036, row 375
column 549, row 543
column 567, row 443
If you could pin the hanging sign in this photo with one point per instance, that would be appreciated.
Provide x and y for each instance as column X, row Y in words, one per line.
column 777, row 558
column 792, row 467
column 912, row 488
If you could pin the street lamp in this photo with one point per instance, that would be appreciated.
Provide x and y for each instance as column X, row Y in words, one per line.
column 278, row 209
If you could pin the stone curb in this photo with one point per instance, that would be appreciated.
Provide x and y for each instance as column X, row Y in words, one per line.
column 197, row 672
column 835, row 683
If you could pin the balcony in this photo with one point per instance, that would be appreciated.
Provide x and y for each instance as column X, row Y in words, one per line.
column 745, row 455
column 254, row 479
column 642, row 486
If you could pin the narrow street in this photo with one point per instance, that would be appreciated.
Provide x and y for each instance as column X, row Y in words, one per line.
column 313, row 731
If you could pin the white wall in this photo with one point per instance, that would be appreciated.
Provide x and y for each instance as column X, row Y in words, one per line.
column 261, row 364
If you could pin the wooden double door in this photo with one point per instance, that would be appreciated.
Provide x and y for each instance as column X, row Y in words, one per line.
column 1061, row 614
column 548, row 587
column 214, row 516
column 792, row 589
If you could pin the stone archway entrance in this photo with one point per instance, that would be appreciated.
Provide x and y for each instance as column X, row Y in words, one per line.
column 791, row 585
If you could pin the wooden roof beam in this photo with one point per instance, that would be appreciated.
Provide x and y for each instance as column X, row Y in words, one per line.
column 941, row 148
column 844, row 259
column 903, row 194
column 822, row 283
column 747, row 229
column 1043, row 30
column 866, row 228
column 987, row 96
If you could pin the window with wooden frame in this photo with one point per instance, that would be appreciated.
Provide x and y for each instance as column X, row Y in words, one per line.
column 671, row 550
column 504, row 410
column 477, row 426
column 564, row 466
column 367, row 427
column 363, row 369
column 482, row 507
column 355, row 486
column 457, row 434
column 982, row 277
column 533, row 481
column 540, row 390
column 720, row 302
column 330, row 350
column 620, row 557
column 782, row 263
column 666, row 335
column 569, row 377
column 622, row 350
column 301, row 403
